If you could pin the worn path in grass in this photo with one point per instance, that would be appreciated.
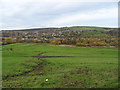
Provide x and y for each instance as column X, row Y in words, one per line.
column 88, row 67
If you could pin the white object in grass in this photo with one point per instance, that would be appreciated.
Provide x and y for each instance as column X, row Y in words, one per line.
column 46, row 80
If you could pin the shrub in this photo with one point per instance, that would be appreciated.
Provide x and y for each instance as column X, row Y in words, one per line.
column 55, row 42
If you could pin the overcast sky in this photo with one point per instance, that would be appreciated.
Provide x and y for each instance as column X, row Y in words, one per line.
column 18, row 14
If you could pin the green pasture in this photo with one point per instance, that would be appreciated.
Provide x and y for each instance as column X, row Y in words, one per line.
column 87, row 28
column 84, row 68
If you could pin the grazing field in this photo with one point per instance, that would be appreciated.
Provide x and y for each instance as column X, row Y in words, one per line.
column 52, row 66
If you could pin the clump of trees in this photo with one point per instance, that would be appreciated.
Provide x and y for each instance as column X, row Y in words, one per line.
column 87, row 42
column 8, row 40
column 68, row 41
column 91, row 42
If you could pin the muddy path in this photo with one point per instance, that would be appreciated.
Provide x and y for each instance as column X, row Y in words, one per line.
column 51, row 56
column 36, row 70
column 24, row 73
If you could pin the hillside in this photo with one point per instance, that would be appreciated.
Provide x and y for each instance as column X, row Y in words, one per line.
column 29, row 65
column 76, row 35
column 67, row 57
column 88, row 28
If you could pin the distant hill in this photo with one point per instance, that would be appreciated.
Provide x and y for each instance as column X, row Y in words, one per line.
column 69, row 28
column 88, row 28
column 30, row 29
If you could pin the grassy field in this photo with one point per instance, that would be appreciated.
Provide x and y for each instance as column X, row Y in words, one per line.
column 84, row 68
column 86, row 28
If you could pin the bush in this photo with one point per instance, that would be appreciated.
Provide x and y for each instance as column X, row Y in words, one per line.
column 81, row 44
column 91, row 42
column 55, row 42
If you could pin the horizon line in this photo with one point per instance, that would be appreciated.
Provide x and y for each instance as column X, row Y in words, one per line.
column 60, row 27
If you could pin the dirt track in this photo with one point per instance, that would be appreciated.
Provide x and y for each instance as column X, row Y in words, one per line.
column 50, row 56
